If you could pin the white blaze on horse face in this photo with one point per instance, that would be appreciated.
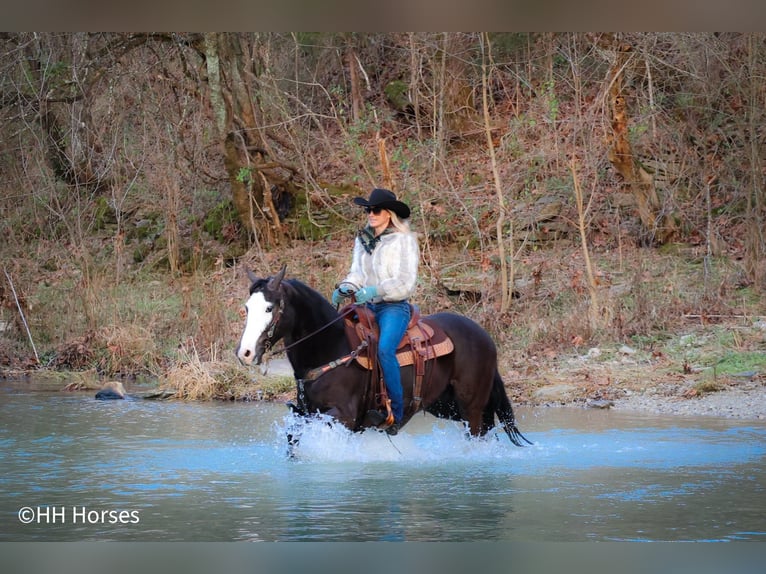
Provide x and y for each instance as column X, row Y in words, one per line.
column 259, row 315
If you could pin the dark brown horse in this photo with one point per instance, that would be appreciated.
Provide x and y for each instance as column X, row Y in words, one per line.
column 464, row 385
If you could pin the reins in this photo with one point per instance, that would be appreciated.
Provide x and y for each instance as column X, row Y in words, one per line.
column 270, row 353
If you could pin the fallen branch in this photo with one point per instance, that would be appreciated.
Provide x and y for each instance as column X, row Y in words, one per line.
column 21, row 313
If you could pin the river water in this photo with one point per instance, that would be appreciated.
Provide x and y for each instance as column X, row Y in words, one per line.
column 74, row 468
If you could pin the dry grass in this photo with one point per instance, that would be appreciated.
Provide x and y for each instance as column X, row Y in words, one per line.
column 124, row 350
column 193, row 379
column 127, row 349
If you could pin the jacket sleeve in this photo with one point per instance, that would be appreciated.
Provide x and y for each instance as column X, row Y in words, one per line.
column 399, row 275
column 355, row 278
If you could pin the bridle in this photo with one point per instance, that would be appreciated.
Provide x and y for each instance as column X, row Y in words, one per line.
column 271, row 328
column 275, row 319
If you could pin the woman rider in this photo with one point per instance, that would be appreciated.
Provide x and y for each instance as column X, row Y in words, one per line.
column 384, row 269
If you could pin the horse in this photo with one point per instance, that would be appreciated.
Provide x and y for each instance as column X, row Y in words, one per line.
column 464, row 385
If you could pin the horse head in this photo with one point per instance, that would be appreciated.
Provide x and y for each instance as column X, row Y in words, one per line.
column 263, row 311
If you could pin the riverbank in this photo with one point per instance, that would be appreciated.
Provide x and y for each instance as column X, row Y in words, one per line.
column 674, row 338
column 707, row 369
column 744, row 399
column 696, row 373
column 739, row 396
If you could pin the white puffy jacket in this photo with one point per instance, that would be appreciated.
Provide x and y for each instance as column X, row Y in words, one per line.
column 392, row 267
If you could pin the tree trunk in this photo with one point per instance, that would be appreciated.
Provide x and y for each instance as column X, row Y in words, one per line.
column 357, row 102
column 454, row 109
column 459, row 106
column 70, row 153
column 244, row 150
column 506, row 282
column 755, row 240
column 659, row 227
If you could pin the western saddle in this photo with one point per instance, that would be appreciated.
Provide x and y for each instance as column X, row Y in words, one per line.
column 422, row 342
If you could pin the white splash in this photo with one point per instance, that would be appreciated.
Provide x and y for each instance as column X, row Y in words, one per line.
column 425, row 439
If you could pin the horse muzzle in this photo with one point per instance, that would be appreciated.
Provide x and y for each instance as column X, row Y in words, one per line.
column 248, row 356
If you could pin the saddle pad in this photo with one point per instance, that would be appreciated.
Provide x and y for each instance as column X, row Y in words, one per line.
column 437, row 344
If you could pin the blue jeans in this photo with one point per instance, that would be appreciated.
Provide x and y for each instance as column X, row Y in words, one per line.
column 392, row 319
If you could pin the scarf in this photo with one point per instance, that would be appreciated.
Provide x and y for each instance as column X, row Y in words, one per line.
column 368, row 238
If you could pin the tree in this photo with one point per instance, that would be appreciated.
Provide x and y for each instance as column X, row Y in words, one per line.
column 658, row 225
column 231, row 71
column 755, row 240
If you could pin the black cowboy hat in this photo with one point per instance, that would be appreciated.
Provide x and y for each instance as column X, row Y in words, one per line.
column 385, row 199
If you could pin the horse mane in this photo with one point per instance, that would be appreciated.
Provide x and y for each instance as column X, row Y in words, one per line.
column 311, row 302
column 312, row 314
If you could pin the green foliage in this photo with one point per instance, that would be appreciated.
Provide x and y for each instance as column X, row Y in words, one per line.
column 396, row 93
column 244, row 174
column 635, row 131
column 103, row 214
column 148, row 227
column 552, row 100
column 316, row 225
column 736, row 362
column 649, row 340
column 218, row 221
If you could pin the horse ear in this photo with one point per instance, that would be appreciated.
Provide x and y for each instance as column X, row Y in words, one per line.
column 250, row 275
column 277, row 279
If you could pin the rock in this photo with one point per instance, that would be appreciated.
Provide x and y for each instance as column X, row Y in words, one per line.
column 620, row 289
column 159, row 395
column 600, row 404
column 594, row 353
column 547, row 209
column 745, row 375
column 111, row 390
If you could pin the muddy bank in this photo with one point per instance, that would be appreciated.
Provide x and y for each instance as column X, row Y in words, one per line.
column 733, row 404
column 648, row 386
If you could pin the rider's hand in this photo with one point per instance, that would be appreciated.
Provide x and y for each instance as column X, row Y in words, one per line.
column 366, row 294
column 340, row 294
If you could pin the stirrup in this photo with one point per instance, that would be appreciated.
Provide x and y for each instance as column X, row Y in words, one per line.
column 381, row 420
column 376, row 417
column 389, row 415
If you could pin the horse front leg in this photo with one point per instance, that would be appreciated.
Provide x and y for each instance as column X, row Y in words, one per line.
column 475, row 421
column 293, row 439
column 294, row 430
column 343, row 417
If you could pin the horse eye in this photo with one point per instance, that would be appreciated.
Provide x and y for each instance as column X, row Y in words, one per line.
column 269, row 308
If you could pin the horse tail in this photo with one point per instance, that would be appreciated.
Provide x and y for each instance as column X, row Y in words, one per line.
column 504, row 411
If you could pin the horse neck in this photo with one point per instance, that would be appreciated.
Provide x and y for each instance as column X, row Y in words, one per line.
column 311, row 315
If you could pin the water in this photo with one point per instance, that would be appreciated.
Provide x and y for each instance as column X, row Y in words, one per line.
column 74, row 468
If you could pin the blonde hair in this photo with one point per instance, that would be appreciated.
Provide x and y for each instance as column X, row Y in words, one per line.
column 402, row 225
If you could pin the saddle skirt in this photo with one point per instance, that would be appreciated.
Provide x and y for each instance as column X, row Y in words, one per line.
column 422, row 341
